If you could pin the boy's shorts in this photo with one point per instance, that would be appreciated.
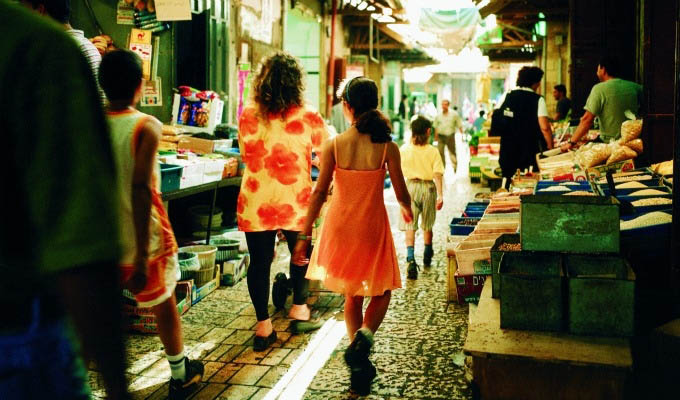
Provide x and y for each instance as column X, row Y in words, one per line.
column 423, row 201
column 161, row 280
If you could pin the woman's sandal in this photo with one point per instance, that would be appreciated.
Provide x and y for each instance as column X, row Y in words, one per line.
column 261, row 343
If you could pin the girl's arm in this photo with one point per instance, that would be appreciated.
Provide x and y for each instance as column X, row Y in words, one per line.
column 319, row 195
column 398, row 183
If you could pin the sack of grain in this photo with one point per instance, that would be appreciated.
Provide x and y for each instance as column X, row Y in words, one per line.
column 595, row 155
column 635, row 144
column 630, row 130
column 664, row 168
column 621, row 153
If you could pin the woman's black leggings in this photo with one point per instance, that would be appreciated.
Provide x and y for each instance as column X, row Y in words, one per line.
column 261, row 248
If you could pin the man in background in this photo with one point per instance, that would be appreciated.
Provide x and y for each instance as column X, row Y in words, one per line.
column 59, row 238
column 608, row 100
column 563, row 108
column 445, row 125
column 60, row 11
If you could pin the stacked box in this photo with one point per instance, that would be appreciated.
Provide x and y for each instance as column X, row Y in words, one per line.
column 469, row 287
column 496, row 255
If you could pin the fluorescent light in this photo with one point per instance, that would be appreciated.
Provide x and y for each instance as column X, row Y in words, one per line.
column 370, row 8
column 362, row 6
column 482, row 4
column 387, row 11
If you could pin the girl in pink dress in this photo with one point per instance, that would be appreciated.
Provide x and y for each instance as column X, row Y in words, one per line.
column 355, row 253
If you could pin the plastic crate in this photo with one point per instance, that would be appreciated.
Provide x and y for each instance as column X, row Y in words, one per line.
column 626, row 192
column 171, row 175
column 457, row 228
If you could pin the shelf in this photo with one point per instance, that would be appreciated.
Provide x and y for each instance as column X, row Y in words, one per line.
column 178, row 194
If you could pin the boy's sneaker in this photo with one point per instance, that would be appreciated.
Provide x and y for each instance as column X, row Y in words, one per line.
column 412, row 270
column 179, row 390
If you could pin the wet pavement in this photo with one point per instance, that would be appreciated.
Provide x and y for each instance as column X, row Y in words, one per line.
column 417, row 349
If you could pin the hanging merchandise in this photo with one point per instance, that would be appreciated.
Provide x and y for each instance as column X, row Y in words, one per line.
column 140, row 43
column 151, row 93
column 125, row 13
column 244, row 80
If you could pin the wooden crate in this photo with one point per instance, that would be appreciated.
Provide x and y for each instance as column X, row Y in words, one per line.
column 569, row 224
column 601, row 295
column 531, row 292
column 451, row 289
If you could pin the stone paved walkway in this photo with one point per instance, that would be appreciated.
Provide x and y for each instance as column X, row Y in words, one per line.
column 417, row 350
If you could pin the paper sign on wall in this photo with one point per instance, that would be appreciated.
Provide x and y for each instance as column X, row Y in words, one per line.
column 151, row 93
column 173, row 10
column 125, row 13
column 140, row 43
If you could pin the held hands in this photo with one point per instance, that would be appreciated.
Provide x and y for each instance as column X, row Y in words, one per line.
column 299, row 256
column 407, row 214
column 440, row 203
column 566, row 147
column 137, row 281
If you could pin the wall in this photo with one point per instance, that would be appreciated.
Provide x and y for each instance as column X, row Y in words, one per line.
column 556, row 53
column 105, row 12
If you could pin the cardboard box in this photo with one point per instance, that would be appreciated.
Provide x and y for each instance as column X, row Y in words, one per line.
column 216, row 107
column 201, row 146
column 213, row 170
column 601, row 170
column 469, row 287
column 235, row 270
column 197, row 294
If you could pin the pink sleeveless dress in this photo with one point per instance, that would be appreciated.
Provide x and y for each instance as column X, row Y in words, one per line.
column 354, row 254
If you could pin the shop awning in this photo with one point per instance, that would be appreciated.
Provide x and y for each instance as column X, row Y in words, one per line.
column 454, row 28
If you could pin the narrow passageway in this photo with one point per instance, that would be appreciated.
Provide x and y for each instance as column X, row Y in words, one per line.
column 417, row 350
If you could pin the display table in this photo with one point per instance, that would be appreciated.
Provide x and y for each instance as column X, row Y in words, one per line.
column 513, row 364
column 178, row 194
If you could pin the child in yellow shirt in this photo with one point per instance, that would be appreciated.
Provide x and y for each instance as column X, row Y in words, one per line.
column 423, row 169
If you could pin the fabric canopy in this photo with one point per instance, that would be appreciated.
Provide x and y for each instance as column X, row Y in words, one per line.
column 454, row 28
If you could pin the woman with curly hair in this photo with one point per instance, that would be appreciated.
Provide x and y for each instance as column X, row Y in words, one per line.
column 277, row 133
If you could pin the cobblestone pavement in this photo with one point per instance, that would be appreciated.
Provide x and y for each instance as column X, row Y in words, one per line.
column 417, row 350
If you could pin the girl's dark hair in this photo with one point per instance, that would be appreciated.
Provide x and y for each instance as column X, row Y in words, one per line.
column 278, row 85
column 419, row 128
column 362, row 95
column 529, row 76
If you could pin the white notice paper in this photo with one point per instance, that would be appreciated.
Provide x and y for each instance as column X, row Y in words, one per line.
column 173, row 10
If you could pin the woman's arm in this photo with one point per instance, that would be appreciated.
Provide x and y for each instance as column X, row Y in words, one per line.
column 398, row 183
column 544, row 123
column 318, row 197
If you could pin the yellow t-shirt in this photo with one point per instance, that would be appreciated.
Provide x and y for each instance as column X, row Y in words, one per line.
column 420, row 162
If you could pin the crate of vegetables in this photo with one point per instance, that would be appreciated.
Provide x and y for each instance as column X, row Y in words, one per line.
column 463, row 226
column 573, row 224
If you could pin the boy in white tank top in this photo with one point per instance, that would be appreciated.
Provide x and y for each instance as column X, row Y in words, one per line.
column 149, row 261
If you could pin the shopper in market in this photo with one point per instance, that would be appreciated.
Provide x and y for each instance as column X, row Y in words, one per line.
column 277, row 133
column 148, row 264
column 563, row 107
column 523, row 125
column 423, row 169
column 59, row 243
column 608, row 100
column 60, row 11
column 355, row 254
column 445, row 125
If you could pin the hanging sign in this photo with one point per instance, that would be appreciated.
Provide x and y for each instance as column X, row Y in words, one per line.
column 173, row 10
column 151, row 93
column 140, row 43
column 125, row 13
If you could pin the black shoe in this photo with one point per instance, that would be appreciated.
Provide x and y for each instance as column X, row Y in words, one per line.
column 412, row 270
column 361, row 378
column 361, row 369
column 261, row 343
column 179, row 389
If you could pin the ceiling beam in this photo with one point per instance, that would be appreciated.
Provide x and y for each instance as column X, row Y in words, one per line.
column 388, row 46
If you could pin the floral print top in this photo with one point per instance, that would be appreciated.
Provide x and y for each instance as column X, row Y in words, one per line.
column 277, row 152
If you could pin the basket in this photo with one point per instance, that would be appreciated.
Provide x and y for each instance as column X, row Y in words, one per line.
column 206, row 257
column 188, row 263
column 227, row 249
column 200, row 214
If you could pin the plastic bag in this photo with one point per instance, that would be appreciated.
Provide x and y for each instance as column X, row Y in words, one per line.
column 595, row 155
column 630, row 130
column 621, row 153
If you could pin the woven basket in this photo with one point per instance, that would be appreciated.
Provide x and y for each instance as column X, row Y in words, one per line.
column 227, row 249
column 206, row 257
column 188, row 264
column 200, row 214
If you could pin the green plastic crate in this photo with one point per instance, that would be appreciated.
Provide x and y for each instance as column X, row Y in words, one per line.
column 572, row 224
column 532, row 291
column 601, row 295
column 496, row 256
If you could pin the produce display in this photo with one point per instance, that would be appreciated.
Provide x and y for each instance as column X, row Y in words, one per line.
column 579, row 193
column 654, row 201
column 557, row 188
column 630, row 185
column 103, row 43
column 647, row 192
column 650, row 219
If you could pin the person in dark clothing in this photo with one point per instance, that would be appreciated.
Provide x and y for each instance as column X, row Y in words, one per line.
column 524, row 126
column 563, row 108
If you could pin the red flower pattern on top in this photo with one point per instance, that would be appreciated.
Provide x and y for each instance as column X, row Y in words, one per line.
column 247, row 123
column 314, row 119
column 241, row 203
column 295, row 127
column 308, row 157
column 274, row 215
column 290, row 112
column 301, row 222
column 281, row 164
column 316, row 138
column 253, row 153
column 244, row 224
column 252, row 184
column 303, row 197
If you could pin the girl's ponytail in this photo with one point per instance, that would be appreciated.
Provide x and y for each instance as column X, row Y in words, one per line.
column 375, row 124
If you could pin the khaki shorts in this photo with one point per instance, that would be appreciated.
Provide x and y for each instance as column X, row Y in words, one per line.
column 423, row 201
